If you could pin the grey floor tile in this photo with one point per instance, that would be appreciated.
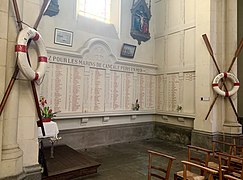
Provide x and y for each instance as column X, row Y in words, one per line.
column 129, row 161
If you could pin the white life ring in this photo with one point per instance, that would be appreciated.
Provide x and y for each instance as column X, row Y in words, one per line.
column 232, row 78
column 21, row 50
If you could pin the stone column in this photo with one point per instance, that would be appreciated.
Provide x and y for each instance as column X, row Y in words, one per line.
column 11, row 158
column 231, row 124
column 203, row 68
column 217, row 19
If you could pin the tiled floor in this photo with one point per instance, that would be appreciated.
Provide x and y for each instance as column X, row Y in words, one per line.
column 129, row 161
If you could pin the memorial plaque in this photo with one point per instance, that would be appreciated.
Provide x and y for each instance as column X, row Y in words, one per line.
column 46, row 85
column 141, row 99
column 94, row 84
column 75, row 89
column 116, row 77
column 160, row 93
column 172, row 92
column 127, row 90
column 59, row 87
column 97, row 90
column 189, row 92
column 150, row 92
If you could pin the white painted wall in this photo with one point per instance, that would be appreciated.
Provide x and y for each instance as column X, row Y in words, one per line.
column 22, row 127
column 175, row 30
column 84, row 29
column 176, row 46
column 181, row 52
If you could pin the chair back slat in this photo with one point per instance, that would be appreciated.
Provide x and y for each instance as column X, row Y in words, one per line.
column 233, row 169
column 157, row 171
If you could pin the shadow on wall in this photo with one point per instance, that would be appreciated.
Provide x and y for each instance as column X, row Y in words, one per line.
column 177, row 134
column 241, row 122
column 97, row 27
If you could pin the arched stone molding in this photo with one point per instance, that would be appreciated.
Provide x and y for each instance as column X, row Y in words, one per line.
column 97, row 49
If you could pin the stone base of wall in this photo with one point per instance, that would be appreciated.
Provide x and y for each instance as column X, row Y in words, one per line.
column 99, row 136
column 17, row 177
column 29, row 173
column 204, row 139
column 185, row 135
column 33, row 172
column 177, row 134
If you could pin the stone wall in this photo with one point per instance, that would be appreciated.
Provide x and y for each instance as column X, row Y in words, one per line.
column 100, row 136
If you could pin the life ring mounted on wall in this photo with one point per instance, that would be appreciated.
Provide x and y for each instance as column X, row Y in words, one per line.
column 21, row 49
column 232, row 77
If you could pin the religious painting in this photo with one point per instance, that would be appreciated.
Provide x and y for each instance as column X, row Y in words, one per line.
column 141, row 16
column 53, row 8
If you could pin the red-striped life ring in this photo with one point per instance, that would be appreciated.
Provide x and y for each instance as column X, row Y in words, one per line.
column 232, row 77
column 21, row 48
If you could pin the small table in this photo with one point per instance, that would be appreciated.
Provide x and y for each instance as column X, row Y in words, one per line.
column 51, row 131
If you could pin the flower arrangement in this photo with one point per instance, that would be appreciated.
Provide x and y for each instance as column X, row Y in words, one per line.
column 136, row 106
column 46, row 111
column 179, row 108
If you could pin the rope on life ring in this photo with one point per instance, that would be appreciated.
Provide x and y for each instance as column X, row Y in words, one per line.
column 232, row 77
column 21, row 49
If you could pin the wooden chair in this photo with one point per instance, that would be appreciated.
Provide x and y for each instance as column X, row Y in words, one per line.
column 220, row 147
column 196, row 155
column 156, row 170
column 230, row 170
column 226, row 160
column 238, row 142
column 208, row 172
